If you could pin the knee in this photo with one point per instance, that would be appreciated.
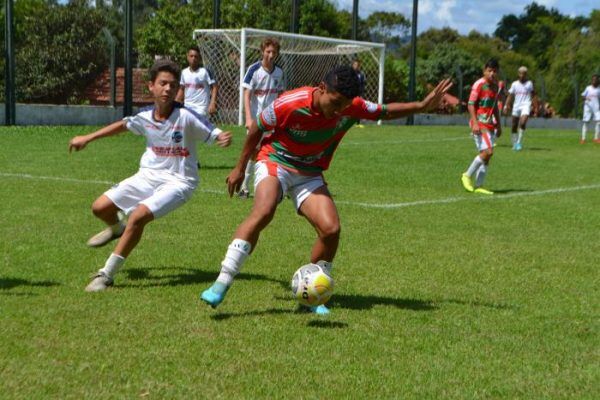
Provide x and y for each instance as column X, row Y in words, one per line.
column 262, row 216
column 100, row 208
column 139, row 218
column 330, row 230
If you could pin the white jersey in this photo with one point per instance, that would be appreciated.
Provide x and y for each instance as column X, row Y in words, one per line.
column 196, row 85
column 264, row 86
column 523, row 93
column 591, row 95
column 171, row 144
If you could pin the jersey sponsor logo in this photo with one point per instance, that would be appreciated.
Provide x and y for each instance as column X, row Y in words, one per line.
column 177, row 136
column 262, row 92
column 371, row 107
column 194, row 86
column 301, row 159
column 269, row 115
column 170, row 151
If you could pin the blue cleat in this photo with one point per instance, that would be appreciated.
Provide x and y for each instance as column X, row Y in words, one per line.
column 214, row 295
column 320, row 310
column 518, row 147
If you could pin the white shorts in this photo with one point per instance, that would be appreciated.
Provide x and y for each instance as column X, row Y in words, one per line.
column 589, row 112
column 297, row 186
column 484, row 141
column 157, row 191
column 521, row 110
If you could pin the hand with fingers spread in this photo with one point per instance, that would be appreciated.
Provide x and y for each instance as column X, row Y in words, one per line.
column 434, row 97
column 224, row 139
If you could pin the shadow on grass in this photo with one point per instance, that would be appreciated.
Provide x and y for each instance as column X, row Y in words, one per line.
column 271, row 311
column 506, row 191
column 228, row 167
column 10, row 283
column 358, row 302
column 179, row 276
column 320, row 323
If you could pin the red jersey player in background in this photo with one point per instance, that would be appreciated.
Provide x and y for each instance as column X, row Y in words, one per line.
column 485, row 120
column 308, row 124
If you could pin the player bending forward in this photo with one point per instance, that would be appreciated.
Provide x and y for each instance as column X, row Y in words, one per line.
column 308, row 124
column 262, row 84
column 591, row 109
column 168, row 173
column 485, row 118
column 521, row 95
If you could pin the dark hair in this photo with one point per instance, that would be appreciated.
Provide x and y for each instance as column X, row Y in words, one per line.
column 194, row 48
column 595, row 76
column 164, row 66
column 343, row 79
column 492, row 63
column 270, row 42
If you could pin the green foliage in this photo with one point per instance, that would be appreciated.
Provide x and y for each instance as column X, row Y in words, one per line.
column 319, row 18
column 396, row 80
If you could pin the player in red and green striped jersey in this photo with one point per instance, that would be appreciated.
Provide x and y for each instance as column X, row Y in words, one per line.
column 308, row 124
column 485, row 120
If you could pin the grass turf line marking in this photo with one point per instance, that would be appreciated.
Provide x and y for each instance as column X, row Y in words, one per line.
column 353, row 203
column 473, row 197
column 75, row 180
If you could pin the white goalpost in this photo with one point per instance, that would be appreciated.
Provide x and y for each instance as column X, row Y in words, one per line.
column 304, row 59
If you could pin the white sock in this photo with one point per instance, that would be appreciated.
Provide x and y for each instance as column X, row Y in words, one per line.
column 481, row 172
column 248, row 175
column 113, row 265
column 474, row 166
column 326, row 265
column 513, row 137
column 237, row 252
column 584, row 131
column 597, row 132
column 520, row 137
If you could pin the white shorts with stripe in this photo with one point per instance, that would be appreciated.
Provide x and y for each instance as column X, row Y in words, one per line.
column 484, row 141
column 520, row 110
column 295, row 185
column 157, row 190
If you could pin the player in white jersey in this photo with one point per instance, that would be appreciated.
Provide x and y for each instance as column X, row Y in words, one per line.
column 521, row 97
column 591, row 109
column 264, row 81
column 198, row 88
column 168, row 173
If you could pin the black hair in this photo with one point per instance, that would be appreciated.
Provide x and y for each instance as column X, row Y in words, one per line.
column 492, row 63
column 194, row 48
column 343, row 79
column 164, row 66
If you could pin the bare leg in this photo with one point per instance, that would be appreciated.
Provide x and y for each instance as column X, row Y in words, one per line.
column 133, row 231
column 319, row 209
column 104, row 209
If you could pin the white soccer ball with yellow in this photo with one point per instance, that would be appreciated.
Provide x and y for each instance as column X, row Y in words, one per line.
column 311, row 285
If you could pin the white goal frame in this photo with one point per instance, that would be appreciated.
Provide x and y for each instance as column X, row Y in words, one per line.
column 343, row 48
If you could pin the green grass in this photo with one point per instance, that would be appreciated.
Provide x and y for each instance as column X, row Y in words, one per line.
column 471, row 298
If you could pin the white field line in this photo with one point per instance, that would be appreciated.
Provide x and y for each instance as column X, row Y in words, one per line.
column 447, row 200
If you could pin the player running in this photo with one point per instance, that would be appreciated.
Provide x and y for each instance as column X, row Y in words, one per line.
column 168, row 173
column 485, row 118
column 264, row 81
column 521, row 96
column 308, row 125
column 591, row 109
column 198, row 88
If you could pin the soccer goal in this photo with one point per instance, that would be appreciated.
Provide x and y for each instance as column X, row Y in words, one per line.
column 304, row 59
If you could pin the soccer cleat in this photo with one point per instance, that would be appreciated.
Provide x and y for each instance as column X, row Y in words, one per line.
column 597, row 141
column 581, row 141
column 483, row 191
column 360, row 126
column 320, row 310
column 107, row 235
column 99, row 282
column 244, row 194
column 518, row 147
column 214, row 295
column 467, row 182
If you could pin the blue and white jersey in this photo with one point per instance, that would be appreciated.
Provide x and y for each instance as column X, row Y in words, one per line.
column 171, row 144
column 264, row 86
column 196, row 86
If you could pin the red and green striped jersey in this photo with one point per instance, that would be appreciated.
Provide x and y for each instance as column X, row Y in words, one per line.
column 483, row 96
column 303, row 140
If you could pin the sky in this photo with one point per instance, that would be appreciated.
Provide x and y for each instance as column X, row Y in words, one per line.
column 466, row 15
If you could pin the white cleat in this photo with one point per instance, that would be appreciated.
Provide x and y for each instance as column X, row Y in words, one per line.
column 99, row 283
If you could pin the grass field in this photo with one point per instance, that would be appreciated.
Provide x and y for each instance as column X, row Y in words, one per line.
column 440, row 294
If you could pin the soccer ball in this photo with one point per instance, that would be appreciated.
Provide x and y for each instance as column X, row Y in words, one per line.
column 311, row 285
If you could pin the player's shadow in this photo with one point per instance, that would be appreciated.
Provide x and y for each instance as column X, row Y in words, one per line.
column 506, row 191
column 217, row 167
column 6, row 284
column 178, row 276
column 359, row 302
column 222, row 316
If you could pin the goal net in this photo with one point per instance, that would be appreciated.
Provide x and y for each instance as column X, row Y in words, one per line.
column 304, row 59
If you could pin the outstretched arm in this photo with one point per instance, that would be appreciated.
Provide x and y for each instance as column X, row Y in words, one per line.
column 79, row 142
column 430, row 102
column 236, row 176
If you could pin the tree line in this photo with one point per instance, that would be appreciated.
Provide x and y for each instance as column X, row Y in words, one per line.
column 61, row 47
